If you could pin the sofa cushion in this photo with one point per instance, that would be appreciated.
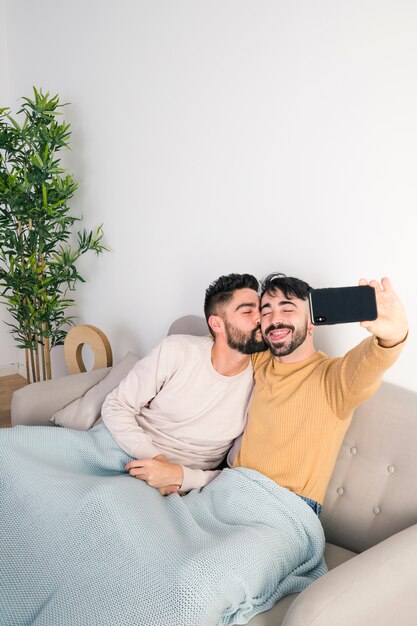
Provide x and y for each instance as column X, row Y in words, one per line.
column 82, row 413
column 333, row 555
column 33, row 405
column 373, row 490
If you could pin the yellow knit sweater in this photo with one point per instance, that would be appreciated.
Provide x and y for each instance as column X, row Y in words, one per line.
column 299, row 413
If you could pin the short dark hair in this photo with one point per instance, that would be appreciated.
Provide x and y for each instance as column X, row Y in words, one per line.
column 290, row 286
column 221, row 291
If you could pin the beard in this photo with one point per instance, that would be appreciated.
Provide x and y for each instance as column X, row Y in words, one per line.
column 281, row 348
column 246, row 343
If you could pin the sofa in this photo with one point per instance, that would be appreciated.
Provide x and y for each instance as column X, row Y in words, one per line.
column 369, row 514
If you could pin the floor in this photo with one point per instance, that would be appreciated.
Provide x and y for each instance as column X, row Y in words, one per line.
column 8, row 384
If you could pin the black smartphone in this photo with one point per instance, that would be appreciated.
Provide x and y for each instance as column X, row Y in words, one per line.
column 341, row 305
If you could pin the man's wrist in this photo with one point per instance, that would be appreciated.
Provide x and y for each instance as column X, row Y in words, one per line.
column 160, row 457
column 180, row 476
column 386, row 343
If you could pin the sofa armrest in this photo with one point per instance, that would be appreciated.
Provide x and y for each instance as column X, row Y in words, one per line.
column 34, row 404
column 376, row 587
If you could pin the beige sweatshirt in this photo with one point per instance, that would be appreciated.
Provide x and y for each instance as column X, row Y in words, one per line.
column 174, row 402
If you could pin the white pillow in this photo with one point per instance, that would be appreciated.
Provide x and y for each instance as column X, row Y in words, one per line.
column 82, row 413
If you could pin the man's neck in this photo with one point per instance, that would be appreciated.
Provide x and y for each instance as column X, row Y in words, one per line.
column 227, row 361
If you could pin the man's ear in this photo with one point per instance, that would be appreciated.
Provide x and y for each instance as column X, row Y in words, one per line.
column 310, row 325
column 216, row 323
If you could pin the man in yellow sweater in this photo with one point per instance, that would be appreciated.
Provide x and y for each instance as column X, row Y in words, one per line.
column 303, row 400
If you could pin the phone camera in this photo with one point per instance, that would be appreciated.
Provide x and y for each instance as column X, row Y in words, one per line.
column 320, row 319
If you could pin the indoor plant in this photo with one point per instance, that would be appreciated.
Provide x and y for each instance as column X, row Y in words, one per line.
column 37, row 261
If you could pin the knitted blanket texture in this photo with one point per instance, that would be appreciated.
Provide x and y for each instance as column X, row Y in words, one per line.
column 82, row 543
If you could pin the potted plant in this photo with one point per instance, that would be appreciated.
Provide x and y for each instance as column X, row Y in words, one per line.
column 37, row 261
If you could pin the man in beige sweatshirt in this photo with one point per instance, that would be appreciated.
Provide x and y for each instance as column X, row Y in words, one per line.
column 180, row 407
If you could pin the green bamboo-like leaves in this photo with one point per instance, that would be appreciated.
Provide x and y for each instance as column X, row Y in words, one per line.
column 37, row 262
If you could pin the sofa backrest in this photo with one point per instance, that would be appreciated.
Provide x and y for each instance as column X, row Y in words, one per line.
column 189, row 325
column 373, row 490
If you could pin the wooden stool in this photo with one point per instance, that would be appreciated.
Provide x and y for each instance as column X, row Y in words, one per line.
column 98, row 342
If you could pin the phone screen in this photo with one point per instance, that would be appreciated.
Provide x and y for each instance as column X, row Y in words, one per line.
column 341, row 305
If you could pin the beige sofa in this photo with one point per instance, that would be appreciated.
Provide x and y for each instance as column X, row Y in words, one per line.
column 369, row 514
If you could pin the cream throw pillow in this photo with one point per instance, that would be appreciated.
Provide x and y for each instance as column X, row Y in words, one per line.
column 82, row 413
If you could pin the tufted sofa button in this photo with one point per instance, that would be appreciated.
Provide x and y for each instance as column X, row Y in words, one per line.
column 340, row 490
column 391, row 469
column 353, row 450
column 377, row 510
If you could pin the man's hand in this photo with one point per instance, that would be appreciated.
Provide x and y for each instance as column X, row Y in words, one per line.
column 391, row 325
column 157, row 472
column 166, row 491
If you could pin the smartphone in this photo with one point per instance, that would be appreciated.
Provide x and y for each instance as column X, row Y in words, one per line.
column 341, row 305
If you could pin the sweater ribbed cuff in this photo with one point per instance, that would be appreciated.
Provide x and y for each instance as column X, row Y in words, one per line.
column 196, row 478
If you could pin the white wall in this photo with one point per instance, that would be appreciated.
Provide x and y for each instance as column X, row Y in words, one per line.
column 231, row 135
column 9, row 354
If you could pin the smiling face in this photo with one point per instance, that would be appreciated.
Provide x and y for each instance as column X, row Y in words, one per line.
column 285, row 324
column 241, row 322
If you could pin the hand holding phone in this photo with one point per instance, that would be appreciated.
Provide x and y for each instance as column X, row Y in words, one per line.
column 342, row 305
column 391, row 325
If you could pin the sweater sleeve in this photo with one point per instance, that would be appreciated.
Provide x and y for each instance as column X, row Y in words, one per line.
column 124, row 403
column 353, row 378
column 197, row 478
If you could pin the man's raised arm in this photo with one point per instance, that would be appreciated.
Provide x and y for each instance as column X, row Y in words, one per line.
column 391, row 326
column 356, row 376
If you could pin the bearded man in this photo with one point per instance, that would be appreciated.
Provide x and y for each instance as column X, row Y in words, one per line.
column 303, row 400
column 180, row 408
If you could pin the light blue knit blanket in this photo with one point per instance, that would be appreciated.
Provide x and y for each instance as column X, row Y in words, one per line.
column 82, row 543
